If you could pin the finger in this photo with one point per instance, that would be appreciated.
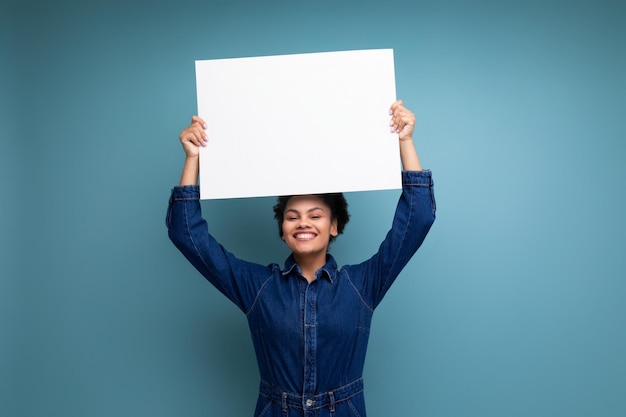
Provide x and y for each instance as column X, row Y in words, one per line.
column 199, row 137
column 395, row 105
column 399, row 116
column 198, row 119
column 398, row 112
column 406, row 116
column 397, row 122
column 195, row 140
column 194, row 135
column 199, row 130
column 393, row 125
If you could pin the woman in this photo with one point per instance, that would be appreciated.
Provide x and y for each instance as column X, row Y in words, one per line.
column 310, row 320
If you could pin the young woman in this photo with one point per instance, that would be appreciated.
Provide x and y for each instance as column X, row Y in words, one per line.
column 309, row 320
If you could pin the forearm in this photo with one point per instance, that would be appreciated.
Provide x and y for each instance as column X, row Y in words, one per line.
column 190, row 171
column 408, row 156
column 415, row 214
column 403, row 123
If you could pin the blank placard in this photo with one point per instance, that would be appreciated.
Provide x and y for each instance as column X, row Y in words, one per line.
column 297, row 124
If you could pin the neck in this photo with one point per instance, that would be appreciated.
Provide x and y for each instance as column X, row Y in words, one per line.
column 310, row 264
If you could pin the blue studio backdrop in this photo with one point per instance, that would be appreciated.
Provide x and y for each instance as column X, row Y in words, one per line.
column 515, row 305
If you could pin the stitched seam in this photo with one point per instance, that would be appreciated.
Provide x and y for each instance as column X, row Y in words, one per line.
column 195, row 247
column 357, row 291
column 258, row 294
column 265, row 409
column 353, row 408
column 404, row 235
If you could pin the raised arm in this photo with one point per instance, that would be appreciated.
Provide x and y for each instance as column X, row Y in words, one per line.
column 403, row 123
column 238, row 279
column 191, row 138
column 415, row 214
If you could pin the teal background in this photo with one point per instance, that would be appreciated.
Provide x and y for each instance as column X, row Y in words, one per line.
column 514, row 306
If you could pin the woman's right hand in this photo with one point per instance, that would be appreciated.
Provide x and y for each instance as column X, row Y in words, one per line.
column 193, row 136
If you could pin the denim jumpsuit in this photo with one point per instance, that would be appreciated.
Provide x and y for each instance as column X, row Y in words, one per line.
column 309, row 338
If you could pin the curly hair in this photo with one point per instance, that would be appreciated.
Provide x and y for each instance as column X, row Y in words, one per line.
column 335, row 201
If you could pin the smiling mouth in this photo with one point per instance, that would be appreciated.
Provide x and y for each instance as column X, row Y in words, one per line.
column 305, row 236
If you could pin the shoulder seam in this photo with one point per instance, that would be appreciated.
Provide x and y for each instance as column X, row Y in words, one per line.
column 258, row 294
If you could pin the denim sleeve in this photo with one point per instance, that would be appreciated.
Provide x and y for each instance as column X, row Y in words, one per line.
column 237, row 279
column 415, row 214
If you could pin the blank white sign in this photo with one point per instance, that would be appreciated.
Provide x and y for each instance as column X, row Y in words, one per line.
column 298, row 124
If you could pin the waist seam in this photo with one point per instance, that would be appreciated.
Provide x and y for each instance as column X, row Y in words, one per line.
column 313, row 401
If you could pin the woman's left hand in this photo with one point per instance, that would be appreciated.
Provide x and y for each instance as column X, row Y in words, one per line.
column 402, row 120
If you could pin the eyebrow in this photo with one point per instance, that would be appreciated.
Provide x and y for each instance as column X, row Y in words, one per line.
column 308, row 211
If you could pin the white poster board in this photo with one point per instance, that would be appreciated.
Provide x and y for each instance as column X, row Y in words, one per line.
column 297, row 124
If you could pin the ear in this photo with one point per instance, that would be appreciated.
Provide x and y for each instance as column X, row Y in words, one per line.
column 333, row 228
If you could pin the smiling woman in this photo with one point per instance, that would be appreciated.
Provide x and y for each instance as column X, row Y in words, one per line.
column 307, row 227
column 309, row 320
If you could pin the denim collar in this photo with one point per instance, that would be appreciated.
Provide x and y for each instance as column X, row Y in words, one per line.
column 329, row 270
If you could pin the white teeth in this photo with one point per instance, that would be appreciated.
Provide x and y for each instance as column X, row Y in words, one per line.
column 305, row 235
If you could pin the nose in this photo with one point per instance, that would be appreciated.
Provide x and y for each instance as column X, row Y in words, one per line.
column 302, row 223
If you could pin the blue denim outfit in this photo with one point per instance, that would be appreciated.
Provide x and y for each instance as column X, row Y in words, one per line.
column 310, row 339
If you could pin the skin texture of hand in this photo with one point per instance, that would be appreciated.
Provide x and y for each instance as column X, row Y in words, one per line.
column 193, row 136
column 402, row 120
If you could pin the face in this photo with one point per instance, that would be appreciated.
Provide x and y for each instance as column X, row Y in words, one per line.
column 307, row 225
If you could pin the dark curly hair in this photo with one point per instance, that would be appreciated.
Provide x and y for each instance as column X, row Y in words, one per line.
column 335, row 201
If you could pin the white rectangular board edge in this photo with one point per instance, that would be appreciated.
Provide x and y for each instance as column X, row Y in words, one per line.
column 297, row 124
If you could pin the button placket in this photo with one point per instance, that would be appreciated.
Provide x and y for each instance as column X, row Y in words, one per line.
column 310, row 341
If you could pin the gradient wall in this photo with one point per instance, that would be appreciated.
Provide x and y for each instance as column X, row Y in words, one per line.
column 515, row 305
